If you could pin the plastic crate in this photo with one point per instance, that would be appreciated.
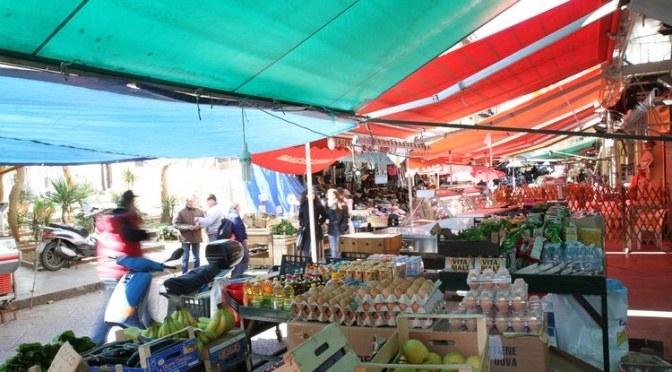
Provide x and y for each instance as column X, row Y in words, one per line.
column 197, row 305
column 640, row 362
column 6, row 283
column 291, row 263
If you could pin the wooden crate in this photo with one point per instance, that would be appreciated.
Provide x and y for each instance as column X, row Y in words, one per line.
column 283, row 244
column 438, row 339
column 328, row 350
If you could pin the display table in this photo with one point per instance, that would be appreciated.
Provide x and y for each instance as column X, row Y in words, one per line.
column 486, row 212
column 577, row 286
column 255, row 320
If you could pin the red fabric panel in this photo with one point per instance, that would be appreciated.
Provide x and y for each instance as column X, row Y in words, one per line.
column 292, row 160
column 579, row 51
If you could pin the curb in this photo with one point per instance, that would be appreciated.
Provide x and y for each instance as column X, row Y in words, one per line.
column 43, row 299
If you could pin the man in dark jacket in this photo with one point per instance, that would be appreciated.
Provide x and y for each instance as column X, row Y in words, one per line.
column 304, row 221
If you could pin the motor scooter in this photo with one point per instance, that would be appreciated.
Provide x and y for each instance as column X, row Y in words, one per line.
column 62, row 244
column 222, row 256
column 129, row 301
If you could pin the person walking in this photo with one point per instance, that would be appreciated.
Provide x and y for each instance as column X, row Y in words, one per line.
column 190, row 232
column 304, row 222
column 240, row 235
column 213, row 218
column 118, row 235
column 337, row 211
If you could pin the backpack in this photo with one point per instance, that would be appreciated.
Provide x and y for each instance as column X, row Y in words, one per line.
column 225, row 229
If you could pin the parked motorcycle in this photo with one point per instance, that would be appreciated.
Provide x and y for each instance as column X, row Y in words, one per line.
column 62, row 244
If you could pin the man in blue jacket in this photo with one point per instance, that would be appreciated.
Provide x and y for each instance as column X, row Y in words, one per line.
column 240, row 235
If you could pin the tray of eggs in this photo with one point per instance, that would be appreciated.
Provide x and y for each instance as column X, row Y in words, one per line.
column 334, row 304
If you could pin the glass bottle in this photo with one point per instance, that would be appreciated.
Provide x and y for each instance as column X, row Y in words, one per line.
column 278, row 295
column 247, row 292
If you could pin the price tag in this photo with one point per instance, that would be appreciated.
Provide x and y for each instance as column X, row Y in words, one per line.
column 66, row 360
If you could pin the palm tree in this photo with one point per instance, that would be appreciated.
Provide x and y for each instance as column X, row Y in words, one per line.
column 129, row 178
column 67, row 196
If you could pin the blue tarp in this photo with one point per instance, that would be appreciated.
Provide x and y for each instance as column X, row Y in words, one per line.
column 43, row 122
column 279, row 190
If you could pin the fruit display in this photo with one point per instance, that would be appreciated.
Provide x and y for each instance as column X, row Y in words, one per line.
column 414, row 355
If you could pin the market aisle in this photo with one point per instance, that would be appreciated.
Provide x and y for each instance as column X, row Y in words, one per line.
column 648, row 277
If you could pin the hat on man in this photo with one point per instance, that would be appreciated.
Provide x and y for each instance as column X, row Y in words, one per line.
column 127, row 197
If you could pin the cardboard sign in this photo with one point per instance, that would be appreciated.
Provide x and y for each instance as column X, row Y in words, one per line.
column 67, row 360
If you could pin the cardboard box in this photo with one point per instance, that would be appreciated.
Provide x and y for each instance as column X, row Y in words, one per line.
column 361, row 339
column 370, row 243
column 519, row 353
column 226, row 351
column 459, row 248
column 438, row 339
column 328, row 350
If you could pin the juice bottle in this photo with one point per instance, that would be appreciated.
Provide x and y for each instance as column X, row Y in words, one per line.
column 278, row 295
column 335, row 280
column 247, row 292
column 257, row 293
column 288, row 292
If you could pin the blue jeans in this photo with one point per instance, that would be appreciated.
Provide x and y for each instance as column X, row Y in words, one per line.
column 195, row 247
column 242, row 266
column 333, row 245
column 100, row 328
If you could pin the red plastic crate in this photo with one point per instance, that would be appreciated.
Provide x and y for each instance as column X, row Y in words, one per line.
column 6, row 283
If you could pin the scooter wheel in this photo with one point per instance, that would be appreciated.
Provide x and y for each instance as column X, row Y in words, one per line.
column 51, row 260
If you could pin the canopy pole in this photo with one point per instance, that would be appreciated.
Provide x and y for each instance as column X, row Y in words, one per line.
column 502, row 64
column 410, row 197
column 450, row 167
column 311, row 207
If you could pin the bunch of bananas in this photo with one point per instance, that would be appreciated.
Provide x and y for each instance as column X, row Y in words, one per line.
column 211, row 328
column 153, row 330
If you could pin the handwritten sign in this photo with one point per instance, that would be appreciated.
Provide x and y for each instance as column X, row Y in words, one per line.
column 67, row 360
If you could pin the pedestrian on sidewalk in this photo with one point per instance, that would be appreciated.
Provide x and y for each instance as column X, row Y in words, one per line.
column 240, row 235
column 119, row 234
column 213, row 218
column 191, row 235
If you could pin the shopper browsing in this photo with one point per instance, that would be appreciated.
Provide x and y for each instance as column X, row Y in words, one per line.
column 190, row 232
column 240, row 235
column 213, row 218
column 337, row 211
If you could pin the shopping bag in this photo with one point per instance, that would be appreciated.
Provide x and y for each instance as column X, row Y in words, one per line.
column 299, row 238
column 579, row 335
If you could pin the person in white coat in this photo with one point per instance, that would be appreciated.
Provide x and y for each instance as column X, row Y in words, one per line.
column 213, row 218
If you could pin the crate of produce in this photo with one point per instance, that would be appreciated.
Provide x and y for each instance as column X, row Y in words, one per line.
column 440, row 340
column 327, row 351
column 198, row 306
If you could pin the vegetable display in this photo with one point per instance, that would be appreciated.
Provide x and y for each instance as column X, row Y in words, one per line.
column 35, row 353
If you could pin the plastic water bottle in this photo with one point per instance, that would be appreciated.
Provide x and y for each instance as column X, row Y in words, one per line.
column 278, row 295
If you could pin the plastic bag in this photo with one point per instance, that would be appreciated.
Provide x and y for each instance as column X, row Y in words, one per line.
column 579, row 335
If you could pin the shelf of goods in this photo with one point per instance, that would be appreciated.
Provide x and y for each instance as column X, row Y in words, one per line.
column 577, row 286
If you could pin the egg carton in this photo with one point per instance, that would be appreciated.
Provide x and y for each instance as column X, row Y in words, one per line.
column 389, row 319
column 427, row 306
column 404, row 298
